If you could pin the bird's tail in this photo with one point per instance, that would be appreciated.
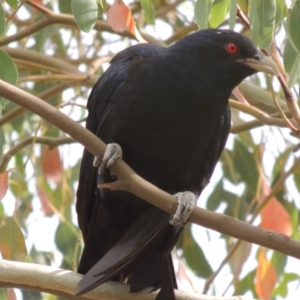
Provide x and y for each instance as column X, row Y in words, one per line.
column 141, row 255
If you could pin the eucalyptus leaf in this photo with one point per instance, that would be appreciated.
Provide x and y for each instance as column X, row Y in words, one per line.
column 85, row 13
column 262, row 20
column 202, row 12
column 218, row 12
column 147, row 6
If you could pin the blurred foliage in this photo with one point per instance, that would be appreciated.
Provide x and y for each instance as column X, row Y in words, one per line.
column 43, row 51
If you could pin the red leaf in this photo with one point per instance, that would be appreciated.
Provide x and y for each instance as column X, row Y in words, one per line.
column 265, row 277
column 119, row 17
column 51, row 164
column 3, row 184
column 274, row 216
column 12, row 241
column 45, row 201
column 11, row 294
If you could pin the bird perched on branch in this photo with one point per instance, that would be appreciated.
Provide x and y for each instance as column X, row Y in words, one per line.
column 166, row 112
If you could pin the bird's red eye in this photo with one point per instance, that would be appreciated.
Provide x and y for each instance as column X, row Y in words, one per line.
column 231, row 48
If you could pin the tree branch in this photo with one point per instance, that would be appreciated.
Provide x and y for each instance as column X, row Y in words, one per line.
column 63, row 283
column 145, row 190
column 64, row 19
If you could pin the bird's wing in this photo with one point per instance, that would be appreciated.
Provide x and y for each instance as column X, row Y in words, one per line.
column 218, row 142
column 93, row 219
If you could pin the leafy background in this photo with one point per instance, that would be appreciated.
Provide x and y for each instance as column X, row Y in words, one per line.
column 50, row 49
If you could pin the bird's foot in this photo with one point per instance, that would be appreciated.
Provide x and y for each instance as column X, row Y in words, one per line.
column 186, row 204
column 112, row 153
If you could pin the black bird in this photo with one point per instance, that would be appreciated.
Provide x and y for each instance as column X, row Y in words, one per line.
column 168, row 110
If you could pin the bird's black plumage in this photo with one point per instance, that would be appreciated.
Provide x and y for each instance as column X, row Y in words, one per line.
column 168, row 109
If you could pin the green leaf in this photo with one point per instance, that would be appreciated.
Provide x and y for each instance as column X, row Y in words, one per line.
column 232, row 13
column 279, row 165
column 262, row 20
column 8, row 70
column 239, row 165
column 147, row 6
column 218, row 12
column 12, row 242
column 102, row 7
column 202, row 11
column 279, row 261
column 281, row 289
column 65, row 6
column 281, row 11
column 193, row 254
column 65, row 240
column 13, row 3
column 246, row 284
column 85, row 13
column 291, row 60
column 294, row 25
column 1, row 211
column 2, row 20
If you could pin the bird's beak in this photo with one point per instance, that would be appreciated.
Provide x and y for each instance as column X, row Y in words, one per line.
column 263, row 64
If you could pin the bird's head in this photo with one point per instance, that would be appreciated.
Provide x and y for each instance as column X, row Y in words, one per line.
column 225, row 52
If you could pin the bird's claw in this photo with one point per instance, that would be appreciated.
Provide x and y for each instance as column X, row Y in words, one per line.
column 186, row 204
column 112, row 153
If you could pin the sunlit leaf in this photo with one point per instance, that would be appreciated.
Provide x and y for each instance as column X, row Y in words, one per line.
column 51, row 164
column 147, row 6
column 13, row 3
column 3, row 184
column 85, row 13
column 262, row 20
column 12, row 242
column 202, row 12
column 265, row 276
column 218, row 12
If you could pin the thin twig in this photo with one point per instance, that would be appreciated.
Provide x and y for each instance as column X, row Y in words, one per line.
column 51, row 142
column 258, row 114
column 281, row 112
column 45, row 95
